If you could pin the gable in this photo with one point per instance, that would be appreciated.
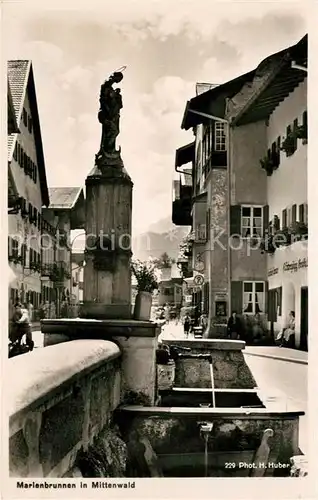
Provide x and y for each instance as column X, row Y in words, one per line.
column 21, row 81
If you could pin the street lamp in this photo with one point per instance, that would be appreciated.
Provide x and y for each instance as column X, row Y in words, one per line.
column 227, row 123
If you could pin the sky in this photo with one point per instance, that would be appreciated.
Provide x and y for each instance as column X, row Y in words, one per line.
column 167, row 47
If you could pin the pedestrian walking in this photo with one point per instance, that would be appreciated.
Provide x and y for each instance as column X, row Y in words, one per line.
column 234, row 327
column 186, row 325
column 167, row 313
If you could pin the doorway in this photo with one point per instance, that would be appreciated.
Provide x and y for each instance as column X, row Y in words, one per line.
column 272, row 310
column 304, row 318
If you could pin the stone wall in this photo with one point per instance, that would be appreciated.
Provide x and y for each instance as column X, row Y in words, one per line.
column 229, row 367
column 60, row 406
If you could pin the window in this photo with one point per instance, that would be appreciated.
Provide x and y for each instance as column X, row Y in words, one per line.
column 253, row 297
column 219, row 136
column 252, row 221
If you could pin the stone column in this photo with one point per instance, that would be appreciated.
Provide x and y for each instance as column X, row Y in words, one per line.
column 107, row 276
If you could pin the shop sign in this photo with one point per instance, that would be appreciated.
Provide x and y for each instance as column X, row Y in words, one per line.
column 272, row 271
column 221, row 296
column 198, row 279
column 295, row 265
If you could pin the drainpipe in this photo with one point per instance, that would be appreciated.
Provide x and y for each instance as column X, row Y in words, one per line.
column 229, row 264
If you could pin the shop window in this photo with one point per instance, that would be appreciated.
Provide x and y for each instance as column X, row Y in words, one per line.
column 219, row 136
column 251, row 221
column 253, row 297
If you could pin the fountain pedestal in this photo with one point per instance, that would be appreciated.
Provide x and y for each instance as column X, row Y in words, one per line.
column 107, row 276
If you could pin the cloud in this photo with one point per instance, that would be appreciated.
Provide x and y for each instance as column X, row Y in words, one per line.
column 167, row 47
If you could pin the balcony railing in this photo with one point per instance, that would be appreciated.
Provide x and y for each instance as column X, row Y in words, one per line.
column 181, row 205
column 57, row 271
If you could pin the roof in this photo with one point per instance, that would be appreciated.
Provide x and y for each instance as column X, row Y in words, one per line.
column 21, row 81
column 275, row 79
column 64, row 198
column 203, row 87
column 12, row 122
column 214, row 101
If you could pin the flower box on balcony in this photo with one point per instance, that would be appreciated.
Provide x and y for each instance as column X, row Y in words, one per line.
column 298, row 231
column 289, row 144
column 17, row 259
column 302, row 133
column 270, row 163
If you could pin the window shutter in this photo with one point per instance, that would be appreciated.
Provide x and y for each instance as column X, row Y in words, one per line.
column 279, row 300
column 305, row 125
column 266, row 297
column 208, row 223
column 284, row 219
column 294, row 213
column 294, row 130
column 235, row 219
column 236, row 296
column 278, row 149
column 265, row 218
column 301, row 213
column 305, row 213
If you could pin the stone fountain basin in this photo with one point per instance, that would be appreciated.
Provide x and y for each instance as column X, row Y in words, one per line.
column 192, row 368
column 174, row 434
column 224, row 398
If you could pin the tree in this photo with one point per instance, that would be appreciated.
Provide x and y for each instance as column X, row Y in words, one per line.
column 164, row 261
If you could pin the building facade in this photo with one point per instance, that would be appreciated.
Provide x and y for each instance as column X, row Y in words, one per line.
column 250, row 167
column 66, row 213
column 78, row 263
column 27, row 170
